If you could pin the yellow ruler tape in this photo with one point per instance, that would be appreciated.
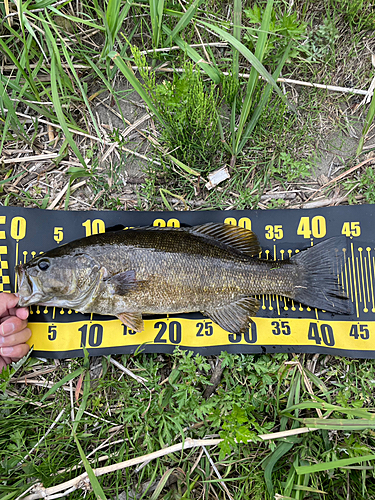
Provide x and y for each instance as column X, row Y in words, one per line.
column 202, row 333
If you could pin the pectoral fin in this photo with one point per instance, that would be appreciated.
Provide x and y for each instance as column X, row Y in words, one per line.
column 235, row 317
column 133, row 321
column 122, row 283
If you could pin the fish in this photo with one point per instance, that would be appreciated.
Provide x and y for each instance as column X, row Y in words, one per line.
column 212, row 268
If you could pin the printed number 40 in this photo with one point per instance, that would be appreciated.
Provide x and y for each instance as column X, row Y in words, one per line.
column 316, row 228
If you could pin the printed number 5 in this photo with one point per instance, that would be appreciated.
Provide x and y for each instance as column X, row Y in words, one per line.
column 52, row 332
column 58, row 234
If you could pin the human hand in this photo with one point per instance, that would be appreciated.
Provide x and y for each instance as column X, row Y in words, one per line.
column 13, row 330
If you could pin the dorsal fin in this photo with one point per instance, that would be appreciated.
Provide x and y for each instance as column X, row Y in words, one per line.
column 238, row 238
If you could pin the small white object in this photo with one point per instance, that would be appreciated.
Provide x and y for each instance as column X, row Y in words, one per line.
column 214, row 178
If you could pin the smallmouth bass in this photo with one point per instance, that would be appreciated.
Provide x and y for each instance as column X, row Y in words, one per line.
column 212, row 268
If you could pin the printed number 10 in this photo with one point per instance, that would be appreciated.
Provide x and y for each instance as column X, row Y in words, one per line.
column 94, row 227
column 95, row 335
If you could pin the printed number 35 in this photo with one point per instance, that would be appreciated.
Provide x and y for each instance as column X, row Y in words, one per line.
column 285, row 328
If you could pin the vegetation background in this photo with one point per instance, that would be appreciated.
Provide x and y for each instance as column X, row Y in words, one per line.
column 135, row 105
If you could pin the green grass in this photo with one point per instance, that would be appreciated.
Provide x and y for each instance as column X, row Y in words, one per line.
column 257, row 395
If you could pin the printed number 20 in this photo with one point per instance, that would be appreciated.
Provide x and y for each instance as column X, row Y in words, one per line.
column 174, row 331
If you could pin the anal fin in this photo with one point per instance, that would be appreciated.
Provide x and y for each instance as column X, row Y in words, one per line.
column 236, row 316
column 133, row 321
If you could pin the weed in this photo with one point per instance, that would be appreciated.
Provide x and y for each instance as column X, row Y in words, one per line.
column 368, row 122
column 359, row 13
column 276, row 203
column 321, row 41
column 291, row 169
column 364, row 185
column 189, row 112
column 282, row 30
column 231, row 91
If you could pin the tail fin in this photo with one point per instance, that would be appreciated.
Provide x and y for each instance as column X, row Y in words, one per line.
column 319, row 268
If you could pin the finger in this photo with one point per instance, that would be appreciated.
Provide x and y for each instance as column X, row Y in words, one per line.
column 17, row 351
column 7, row 301
column 22, row 312
column 14, row 339
column 11, row 324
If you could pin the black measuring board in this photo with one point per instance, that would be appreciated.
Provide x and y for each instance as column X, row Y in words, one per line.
column 281, row 324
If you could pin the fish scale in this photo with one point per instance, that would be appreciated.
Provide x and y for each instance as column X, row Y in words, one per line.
column 211, row 268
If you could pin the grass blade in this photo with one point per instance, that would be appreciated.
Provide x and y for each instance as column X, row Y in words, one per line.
column 163, row 481
column 134, row 82
column 258, row 110
column 335, row 464
column 112, row 13
column 55, row 77
column 113, row 22
column 186, row 18
column 283, row 448
column 82, row 406
column 7, row 107
column 340, row 424
column 166, row 202
column 237, row 12
column 195, row 56
column 253, row 79
column 63, row 381
column 368, row 121
column 183, row 166
column 18, row 64
column 83, row 93
column 250, row 57
column 75, row 19
column 99, row 493
column 355, row 412
column 156, row 14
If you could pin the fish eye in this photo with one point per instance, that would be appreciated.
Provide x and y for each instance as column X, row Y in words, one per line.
column 43, row 265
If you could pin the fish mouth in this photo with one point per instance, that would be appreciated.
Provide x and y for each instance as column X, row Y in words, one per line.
column 28, row 291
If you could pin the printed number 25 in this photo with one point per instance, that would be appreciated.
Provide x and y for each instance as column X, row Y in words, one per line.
column 206, row 327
